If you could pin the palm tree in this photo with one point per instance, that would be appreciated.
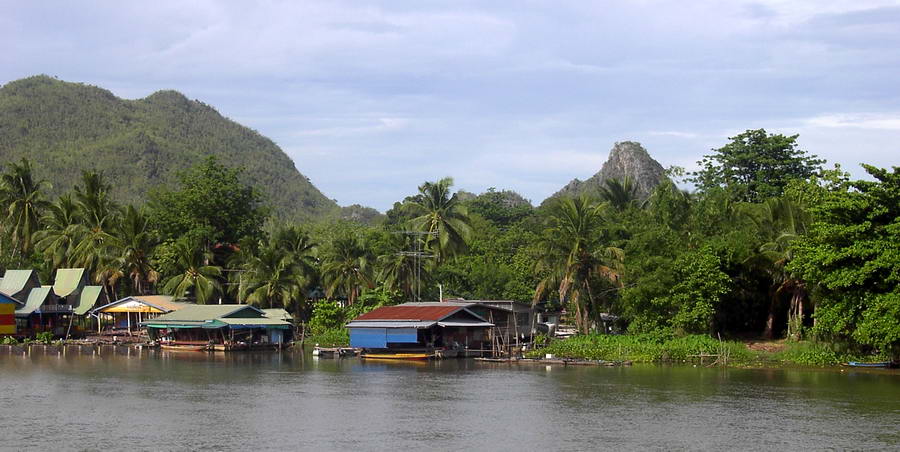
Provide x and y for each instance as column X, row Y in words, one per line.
column 60, row 234
column 620, row 194
column 134, row 241
column 25, row 202
column 346, row 268
column 779, row 222
column 95, row 249
column 575, row 258
column 195, row 275
column 442, row 217
column 271, row 278
column 401, row 272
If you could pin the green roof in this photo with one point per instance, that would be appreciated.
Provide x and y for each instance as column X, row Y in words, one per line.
column 14, row 281
column 261, row 321
column 277, row 313
column 36, row 298
column 215, row 316
column 204, row 312
column 68, row 281
column 89, row 296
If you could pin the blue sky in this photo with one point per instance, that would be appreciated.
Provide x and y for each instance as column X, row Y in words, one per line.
column 372, row 98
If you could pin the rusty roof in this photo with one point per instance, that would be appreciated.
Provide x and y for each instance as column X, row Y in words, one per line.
column 409, row 311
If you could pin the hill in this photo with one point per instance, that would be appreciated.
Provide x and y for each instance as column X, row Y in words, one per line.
column 65, row 127
column 626, row 159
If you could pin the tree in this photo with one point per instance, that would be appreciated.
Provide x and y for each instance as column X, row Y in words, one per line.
column 443, row 217
column 134, row 243
column 346, row 268
column 95, row 249
column 780, row 221
column 271, row 278
column 620, row 194
column 195, row 276
column 851, row 254
column 755, row 166
column 24, row 200
column 212, row 206
column 58, row 238
column 575, row 257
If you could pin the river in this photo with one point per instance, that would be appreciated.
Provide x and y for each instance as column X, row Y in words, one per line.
column 156, row 400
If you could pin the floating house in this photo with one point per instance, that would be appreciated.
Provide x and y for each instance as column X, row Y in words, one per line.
column 219, row 327
column 421, row 327
column 128, row 313
column 59, row 308
column 8, row 307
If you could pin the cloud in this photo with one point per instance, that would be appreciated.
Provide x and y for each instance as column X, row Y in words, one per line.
column 875, row 121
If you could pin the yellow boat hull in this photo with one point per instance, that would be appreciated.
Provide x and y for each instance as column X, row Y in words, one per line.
column 412, row 356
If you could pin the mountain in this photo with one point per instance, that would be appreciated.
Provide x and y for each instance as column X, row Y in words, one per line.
column 626, row 159
column 139, row 145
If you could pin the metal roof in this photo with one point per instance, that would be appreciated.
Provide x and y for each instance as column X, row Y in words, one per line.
column 390, row 324
column 261, row 321
column 36, row 298
column 4, row 298
column 455, row 323
column 162, row 303
column 201, row 313
column 412, row 312
column 89, row 297
column 15, row 280
column 68, row 280
column 277, row 313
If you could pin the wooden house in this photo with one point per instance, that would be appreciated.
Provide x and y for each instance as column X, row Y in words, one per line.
column 219, row 327
column 128, row 313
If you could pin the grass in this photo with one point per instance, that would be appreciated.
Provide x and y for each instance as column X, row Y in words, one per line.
column 648, row 348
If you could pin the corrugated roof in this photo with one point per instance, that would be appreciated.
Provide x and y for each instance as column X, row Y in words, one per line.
column 390, row 324
column 200, row 313
column 35, row 299
column 277, row 313
column 412, row 311
column 15, row 280
column 147, row 303
column 4, row 298
column 89, row 296
column 163, row 301
column 260, row 321
column 68, row 280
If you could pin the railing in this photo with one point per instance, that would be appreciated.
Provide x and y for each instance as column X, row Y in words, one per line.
column 56, row 308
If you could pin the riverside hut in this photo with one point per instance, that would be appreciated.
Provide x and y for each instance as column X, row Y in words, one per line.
column 18, row 283
column 447, row 329
column 8, row 307
column 128, row 313
column 219, row 327
column 60, row 308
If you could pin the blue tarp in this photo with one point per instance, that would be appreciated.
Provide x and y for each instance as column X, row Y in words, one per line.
column 402, row 335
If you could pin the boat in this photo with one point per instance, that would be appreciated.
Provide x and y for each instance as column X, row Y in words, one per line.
column 883, row 364
column 409, row 356
column 184, row 347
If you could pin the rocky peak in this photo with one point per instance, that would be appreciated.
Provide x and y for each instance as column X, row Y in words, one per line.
column 626, row 159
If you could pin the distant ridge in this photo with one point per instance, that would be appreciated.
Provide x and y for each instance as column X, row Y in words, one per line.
column 626, row 159
column 65, row 127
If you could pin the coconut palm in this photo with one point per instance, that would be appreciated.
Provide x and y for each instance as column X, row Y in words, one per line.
column 402, row 272
column 60, row 233
column 779, row 222
column 575, row 257
column 271, row 278
column 620, row 194
column 134, row 241
column 195, row 277
column 24, row 198
column 442, row 217
column 95, row 249
column 346, row 268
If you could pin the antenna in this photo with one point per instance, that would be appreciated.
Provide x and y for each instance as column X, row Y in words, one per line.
column 417, row 254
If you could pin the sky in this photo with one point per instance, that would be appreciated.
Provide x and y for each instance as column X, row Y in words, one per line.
column 370, row 99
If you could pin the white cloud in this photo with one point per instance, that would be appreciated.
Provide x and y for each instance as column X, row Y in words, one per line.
column 876, row 121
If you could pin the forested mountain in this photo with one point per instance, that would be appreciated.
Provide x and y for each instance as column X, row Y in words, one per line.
column 138, row 145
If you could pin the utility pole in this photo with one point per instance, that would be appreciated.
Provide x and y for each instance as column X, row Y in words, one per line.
column 417, row 254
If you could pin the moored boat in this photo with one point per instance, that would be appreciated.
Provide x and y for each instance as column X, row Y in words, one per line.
column 408, row 356
column 882, row 364
column 184, row 347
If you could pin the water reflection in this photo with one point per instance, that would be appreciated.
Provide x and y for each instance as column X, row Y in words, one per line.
column 151, row 399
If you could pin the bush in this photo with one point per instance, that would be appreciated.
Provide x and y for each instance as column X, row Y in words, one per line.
column 46, row 337
column 642, row 348
column 337, row 337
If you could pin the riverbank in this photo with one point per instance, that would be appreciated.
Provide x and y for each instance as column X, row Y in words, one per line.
column 698, row 349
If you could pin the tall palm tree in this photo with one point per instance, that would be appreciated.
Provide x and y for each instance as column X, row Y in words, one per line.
column 195, row 276
column 619, row 193
column 60, row 233
column 779, row 222
column 134, row 241
column 24, row 200
column 442, row 217
column 346, row 268
column 575, row 257
column 271, row 278
column 401, row 272
column 95, row 249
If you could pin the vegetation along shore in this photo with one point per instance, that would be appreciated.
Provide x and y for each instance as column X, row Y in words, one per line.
column 769, row 244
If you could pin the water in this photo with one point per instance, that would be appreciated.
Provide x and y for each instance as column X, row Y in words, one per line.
column 263, row 401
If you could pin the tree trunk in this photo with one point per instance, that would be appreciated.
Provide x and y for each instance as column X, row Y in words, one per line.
column 769, row 332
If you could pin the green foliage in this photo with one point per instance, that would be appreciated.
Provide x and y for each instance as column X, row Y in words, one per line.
column 327, row 315
column 851, row 253
column 336, row 337
column 755, row 166
column 211, row 206
column 65, row 128
column 45, row 337
column 699, row 289
column 8, row 340
column 641, row 348
column 502, row 208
